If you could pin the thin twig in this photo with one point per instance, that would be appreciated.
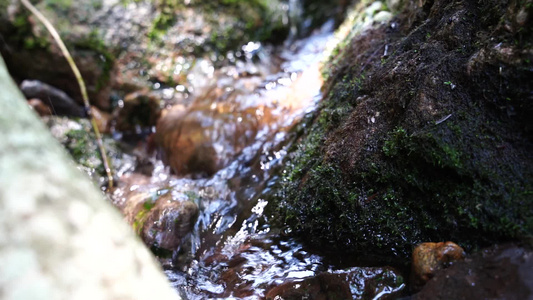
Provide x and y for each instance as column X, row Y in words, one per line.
column 443, row 119
column 81, row 83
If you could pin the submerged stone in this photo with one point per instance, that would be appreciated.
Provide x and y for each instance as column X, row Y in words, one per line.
column 162, row 223
column 168, row 223
column 203, row 138
column 355, row 283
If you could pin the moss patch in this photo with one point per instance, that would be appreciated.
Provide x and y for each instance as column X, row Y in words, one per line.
column 94, row 43
column 78, row 139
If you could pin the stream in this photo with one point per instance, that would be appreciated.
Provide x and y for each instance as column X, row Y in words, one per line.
column 414, row 152
column 234, row 251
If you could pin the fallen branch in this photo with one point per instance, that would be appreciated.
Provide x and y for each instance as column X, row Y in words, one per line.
column 81, row 83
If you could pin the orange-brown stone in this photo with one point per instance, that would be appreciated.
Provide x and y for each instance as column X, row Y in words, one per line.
column 429, row 258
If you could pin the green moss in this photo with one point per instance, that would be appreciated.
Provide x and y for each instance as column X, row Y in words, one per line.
column 398, row 202
column 142, row 216
column 438, row 151
column 147, row 205
column 397, row 139
column 82, row 146
column 160, row 25
column 35, row 43
column 78, row 143
column 167, row 14
column 94, row 42
column 23, row 34
column 61, row 4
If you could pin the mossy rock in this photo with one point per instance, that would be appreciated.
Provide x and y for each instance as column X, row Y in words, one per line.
column 228, row 24
column 161, row 222
column 31, row 52
column 429, row 143
column 77, row 137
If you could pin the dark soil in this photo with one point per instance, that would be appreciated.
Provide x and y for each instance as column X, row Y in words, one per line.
column 424, row 134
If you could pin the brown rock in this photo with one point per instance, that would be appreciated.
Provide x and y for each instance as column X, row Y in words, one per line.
column 161, row 223
column 203, row 139
column 168, row 223
column 186, row 145
column 323, row 286
column 40, row 107
column 428, row 258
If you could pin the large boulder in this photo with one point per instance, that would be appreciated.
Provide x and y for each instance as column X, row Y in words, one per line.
column 31, row 53
column 424, row 134
column 60, row 238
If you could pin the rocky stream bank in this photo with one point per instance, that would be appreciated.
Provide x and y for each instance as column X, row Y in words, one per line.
column 423, row 134
column 260, row 155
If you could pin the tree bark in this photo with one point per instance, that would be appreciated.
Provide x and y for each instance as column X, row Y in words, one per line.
column 59, row 237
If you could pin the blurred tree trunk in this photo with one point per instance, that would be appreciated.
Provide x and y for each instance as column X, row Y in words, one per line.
column 59, row 237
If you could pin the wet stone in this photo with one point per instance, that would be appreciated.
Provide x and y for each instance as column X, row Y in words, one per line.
column 202, row 139
column 168, row 223
column 58, row 102
column 319, row 287
column 161, row 222
column 40, row 107
column 429, row 258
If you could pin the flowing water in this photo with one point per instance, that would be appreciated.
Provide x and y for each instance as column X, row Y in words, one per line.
column 234, row 251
